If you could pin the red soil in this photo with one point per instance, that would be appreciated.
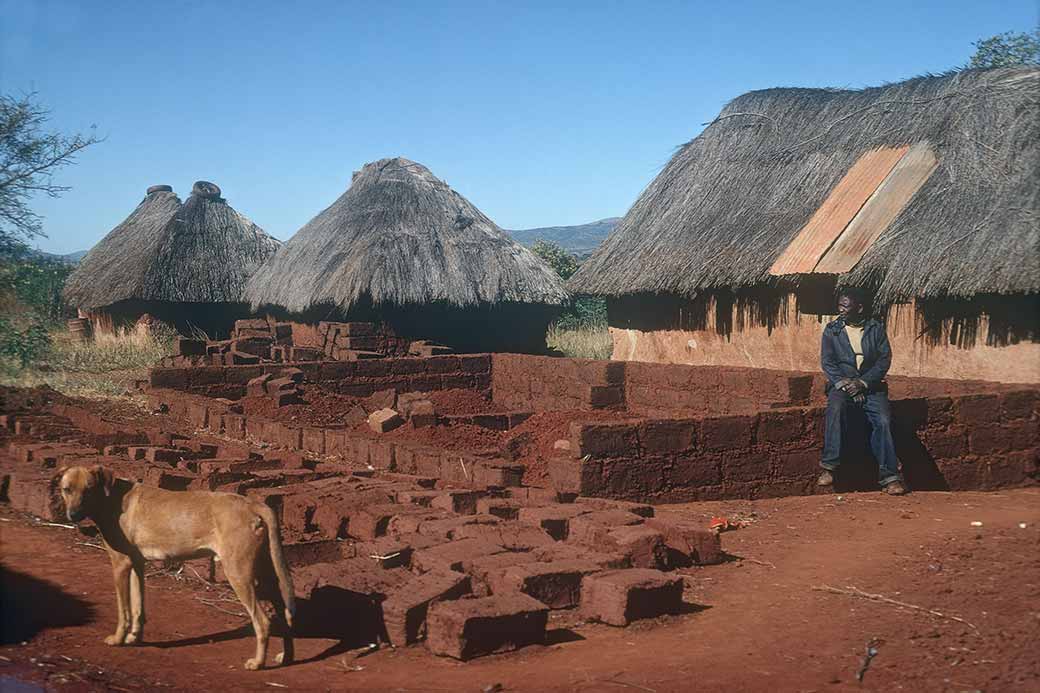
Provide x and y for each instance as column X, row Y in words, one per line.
column 755, row 623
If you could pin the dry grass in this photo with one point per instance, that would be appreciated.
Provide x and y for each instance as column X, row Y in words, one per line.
column 584, row 341
column 103, row 367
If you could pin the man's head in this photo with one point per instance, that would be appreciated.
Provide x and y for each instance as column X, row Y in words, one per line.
column 850, row 305
column 83, row 490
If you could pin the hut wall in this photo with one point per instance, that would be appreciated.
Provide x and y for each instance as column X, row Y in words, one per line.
column 512, row 327
column 988, row 338
column 215, row 319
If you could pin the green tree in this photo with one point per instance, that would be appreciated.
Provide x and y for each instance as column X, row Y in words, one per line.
column 1006, row 50
column 29, row 157
column 557, row 257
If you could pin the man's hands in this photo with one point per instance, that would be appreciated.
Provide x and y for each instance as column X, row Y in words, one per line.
column 854, row 388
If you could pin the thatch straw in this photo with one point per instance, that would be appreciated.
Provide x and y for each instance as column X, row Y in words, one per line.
column 201, row 251
column 730, row 201
column 401, row 236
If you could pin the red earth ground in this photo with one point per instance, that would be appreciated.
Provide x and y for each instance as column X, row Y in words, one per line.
column 758, row 622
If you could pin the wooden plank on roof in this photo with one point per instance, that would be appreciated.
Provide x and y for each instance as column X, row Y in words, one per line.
column 880, row 210
column 846, row 199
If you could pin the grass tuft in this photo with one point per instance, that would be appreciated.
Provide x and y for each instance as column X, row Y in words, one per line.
column 582, row 340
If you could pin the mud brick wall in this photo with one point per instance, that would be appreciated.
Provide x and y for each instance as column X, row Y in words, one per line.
column 656, row 389
column 543, row 383
column 977, row 441
column 354, row 378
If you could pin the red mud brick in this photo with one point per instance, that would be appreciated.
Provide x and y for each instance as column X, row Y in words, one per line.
column 450, row 555
column 977, row 410
column 621, row 596
column 169, row 479
column 780, row 426
column 745, row 465
column 384, row 420
column 963, row 473
column 405, row 524
column 667, row 436
column 798, row 464
column 405, row 611
column 726, row 433
column 508, row 535
column 423, row 498
column 641, row 509
column 506, row 508
column 478, row 363
column 1019, row 404
column 985, row 440
column 604, row 439
column 592, row 528
column 497, row 474
column 461, row 502
column 371, row 521
column 448, row 524
column 314, row 440
column 533, row 495
column 387, row 552
column 481, row 569
column 423, row 482
column 562, row 551
column 556, row 584
column 469, row 628
column 554, row 519
column 422, row 414
column 1021, row 435
column 643, row 545
column 688, row 543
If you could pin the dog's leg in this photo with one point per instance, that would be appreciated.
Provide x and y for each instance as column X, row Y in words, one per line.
column 136, row 603
column 242, row 582
column 121, row 576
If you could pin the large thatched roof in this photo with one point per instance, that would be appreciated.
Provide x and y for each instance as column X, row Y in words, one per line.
column 731, row 201
column 199, row 251
column 401, row 236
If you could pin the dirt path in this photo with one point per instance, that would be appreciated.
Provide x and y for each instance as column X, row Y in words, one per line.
column 757, row 623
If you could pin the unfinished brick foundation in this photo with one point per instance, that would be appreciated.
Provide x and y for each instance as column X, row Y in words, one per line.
column 455, row 526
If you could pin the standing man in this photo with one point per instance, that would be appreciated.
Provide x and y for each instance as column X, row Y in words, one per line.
column 855, row 356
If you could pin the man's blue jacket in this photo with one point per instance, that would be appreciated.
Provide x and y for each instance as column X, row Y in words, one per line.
column 839, row 361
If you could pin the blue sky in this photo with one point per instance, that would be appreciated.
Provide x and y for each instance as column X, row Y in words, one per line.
column 540, row 113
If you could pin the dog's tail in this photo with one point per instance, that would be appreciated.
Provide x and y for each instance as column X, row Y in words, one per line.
column 281, row 568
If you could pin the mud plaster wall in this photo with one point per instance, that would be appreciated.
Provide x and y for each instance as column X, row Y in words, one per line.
column 787, row 339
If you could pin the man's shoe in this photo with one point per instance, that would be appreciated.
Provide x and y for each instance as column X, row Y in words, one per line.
column 825, row 479
column 895, row 488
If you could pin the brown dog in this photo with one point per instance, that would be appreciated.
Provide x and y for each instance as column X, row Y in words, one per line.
column 139, row 523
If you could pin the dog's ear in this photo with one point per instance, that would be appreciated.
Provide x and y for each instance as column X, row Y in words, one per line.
column 105, row 479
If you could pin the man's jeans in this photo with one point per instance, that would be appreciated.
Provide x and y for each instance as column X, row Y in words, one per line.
column 879, row 416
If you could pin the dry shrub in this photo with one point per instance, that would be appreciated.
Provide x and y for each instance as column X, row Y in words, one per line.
column 585, row 341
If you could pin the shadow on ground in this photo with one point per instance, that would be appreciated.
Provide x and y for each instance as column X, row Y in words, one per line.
column 31, row 605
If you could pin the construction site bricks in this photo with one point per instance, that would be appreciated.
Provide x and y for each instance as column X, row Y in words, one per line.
column 405, row 611
column 619, row 597
column 468, row 628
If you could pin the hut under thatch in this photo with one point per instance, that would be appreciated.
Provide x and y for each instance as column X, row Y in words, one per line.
column 185, row 264
column 401, row 248
column 925, row 193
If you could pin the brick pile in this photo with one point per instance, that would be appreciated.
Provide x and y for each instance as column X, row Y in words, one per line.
column 410, row 558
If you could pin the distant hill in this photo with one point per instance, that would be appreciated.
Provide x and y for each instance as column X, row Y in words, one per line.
column 67, row 258
column 580, row 240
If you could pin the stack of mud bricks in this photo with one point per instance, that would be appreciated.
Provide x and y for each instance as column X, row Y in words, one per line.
column 542, row 383
column 252, row 342
column 351, row 341
column 975, row 441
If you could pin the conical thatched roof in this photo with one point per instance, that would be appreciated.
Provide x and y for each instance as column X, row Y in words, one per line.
column 201, row 251
column 401, row 236
column 730, row 202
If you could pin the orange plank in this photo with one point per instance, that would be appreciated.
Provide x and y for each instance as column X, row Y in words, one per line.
column 844, row 201
column 880, row 210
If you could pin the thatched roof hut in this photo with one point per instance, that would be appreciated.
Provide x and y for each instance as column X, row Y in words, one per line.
column 399, row 240
column 198, row 252
column 924, row 192
column 730, row 202
column 400, row 235
column 201, row 251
